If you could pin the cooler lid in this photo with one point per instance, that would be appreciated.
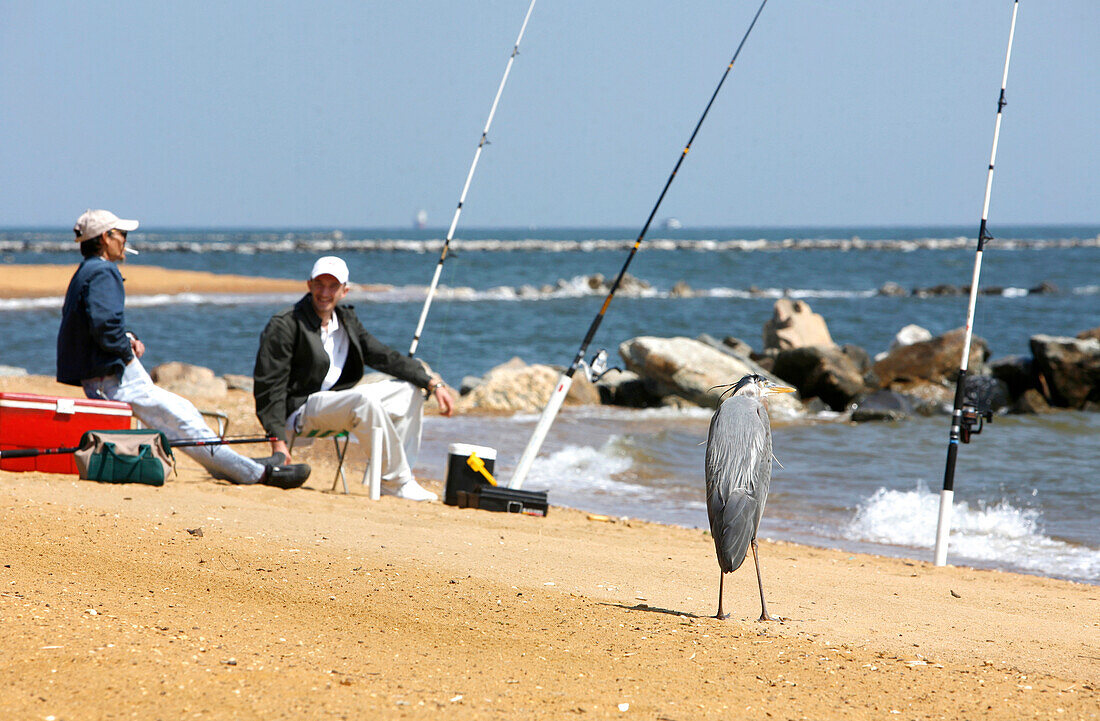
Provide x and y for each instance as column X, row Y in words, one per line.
column 465, row 449
column 62, row 404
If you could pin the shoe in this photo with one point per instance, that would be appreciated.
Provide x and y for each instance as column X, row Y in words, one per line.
column 277, row 459
column 411, row 491
column 292, row 476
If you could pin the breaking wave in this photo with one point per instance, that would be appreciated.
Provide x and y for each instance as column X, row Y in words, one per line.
column 999, row 534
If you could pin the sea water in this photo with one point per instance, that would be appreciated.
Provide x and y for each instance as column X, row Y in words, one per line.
column 1027, row 488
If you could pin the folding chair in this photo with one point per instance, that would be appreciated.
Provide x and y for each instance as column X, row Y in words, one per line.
column 372, row 474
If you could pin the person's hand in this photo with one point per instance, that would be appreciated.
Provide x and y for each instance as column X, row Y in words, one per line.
column 281, row 447
column 137, row 347
column 445, row 398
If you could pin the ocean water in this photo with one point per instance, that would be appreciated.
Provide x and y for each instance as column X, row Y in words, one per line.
column 1027, row 489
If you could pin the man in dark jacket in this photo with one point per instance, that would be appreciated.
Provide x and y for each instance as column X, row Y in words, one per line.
column 310, row 361
column 96, row 351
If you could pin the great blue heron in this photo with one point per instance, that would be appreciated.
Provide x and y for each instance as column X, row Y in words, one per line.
column 739, row 471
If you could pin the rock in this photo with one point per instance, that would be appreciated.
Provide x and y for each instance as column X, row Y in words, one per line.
column 892, row 289
column 690, row 369
column 794, row 325
column 12, row 371
column 626, row 388
column 1031, row 401
column 515, row 386
column 934, row 361
column 738, row 346
column 729, row 345
column 681, row 290
column 1044, row 288
column 940, row 290
column 825, row 372
column 1070, row 367
column 468, row 384
column 1093, row 333
column 909, row 335
column 883, row 406
column 858, row 355
column 1015, row 371
column 188, row 380
column 238, row 382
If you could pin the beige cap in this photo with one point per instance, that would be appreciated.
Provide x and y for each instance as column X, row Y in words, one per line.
column 330, row 265
column 95, row 223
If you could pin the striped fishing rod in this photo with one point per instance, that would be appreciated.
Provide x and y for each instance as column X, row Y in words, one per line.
column 598, row 363
column 466, row 187
column 965, row 415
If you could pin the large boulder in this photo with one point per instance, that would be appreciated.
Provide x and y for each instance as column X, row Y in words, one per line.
column 1015, row 371
column 825, row 372
column 626, row 388
column 189, row 380
column 883, row 406
column 516, row 386
column 729, row 344
column 1093, row 333
column 691, row 370
column 794, row 325
column 1070, row 367
column 934, row 361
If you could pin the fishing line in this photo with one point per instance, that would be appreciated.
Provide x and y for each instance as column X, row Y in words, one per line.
column 965, row 415
column 466, row 187
column 566, row 380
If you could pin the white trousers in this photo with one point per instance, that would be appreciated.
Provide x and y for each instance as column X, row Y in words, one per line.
column 394, row 406
column 177, row 417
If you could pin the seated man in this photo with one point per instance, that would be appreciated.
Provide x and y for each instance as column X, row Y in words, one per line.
column 312, row 356
column 96, row 351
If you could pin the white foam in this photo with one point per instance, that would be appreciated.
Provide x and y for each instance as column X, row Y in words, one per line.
column 1001, row 534
column 584, row 468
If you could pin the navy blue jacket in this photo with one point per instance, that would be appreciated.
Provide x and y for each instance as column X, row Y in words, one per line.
column 92, row 339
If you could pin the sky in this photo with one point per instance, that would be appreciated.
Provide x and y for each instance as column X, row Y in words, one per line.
column 350, row 114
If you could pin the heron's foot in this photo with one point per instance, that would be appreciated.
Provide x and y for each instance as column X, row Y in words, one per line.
column 721, row 616
column 768, row 617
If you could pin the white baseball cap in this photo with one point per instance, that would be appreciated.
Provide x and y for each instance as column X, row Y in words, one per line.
column 94, row 223
column 330, row 265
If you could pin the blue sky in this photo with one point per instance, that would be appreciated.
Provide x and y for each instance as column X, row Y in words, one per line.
column 358, row 114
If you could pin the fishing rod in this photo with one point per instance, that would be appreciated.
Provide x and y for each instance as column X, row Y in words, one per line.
column 466, row 187
column 186, row 443
column 965, row 414
column 596, row 368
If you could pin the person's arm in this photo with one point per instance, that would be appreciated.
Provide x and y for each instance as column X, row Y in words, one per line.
column 381, row 357
column 271, row 377
column 105, row 300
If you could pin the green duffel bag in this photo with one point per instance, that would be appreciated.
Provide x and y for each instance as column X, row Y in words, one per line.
column 135, row 456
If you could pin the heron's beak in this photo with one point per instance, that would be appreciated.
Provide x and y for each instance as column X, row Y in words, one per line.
column 776, row 390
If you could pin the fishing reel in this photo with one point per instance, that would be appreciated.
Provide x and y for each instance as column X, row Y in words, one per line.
column 597, row 368
column 972, row 416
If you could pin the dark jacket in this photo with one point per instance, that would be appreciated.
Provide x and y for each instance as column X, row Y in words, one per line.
column 292, row 363
column 92, row 339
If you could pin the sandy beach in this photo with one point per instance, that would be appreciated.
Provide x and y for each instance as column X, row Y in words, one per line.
column 202, row 599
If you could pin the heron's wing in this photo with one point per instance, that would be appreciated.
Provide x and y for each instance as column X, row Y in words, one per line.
column 733, row 528
column 738, row 472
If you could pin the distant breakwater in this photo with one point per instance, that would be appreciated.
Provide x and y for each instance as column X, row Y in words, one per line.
column 252, row 243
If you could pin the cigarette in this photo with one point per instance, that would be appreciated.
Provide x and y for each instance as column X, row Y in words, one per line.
column 132, row 251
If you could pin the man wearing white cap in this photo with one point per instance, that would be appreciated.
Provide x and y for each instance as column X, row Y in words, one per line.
column 95, row 350
column 310, row 362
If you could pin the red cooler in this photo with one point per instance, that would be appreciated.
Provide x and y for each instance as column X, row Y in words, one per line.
column 33, row 421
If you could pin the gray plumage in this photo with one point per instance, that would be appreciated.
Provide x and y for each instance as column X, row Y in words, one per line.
column 738, row 475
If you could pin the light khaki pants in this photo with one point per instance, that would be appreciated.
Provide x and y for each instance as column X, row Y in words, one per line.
column 394, row 406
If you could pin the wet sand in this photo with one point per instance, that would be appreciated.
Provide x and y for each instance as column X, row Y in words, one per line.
column 311, row 604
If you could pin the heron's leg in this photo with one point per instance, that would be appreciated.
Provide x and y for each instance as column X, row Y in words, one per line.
column 721, row 616
column 760, row 583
